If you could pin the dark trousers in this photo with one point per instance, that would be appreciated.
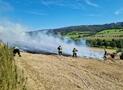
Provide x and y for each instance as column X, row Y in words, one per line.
column 16, row 51
column 74, row 54
column 121, row 56
column 60, row 52
column 105, row 57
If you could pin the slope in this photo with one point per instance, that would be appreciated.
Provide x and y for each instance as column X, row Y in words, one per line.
column 52, row 72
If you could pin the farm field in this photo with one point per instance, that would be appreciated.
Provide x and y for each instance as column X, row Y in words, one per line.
column 104, row 34
column 53, row 72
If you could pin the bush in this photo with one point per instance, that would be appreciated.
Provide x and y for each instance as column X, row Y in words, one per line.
column 11, row 78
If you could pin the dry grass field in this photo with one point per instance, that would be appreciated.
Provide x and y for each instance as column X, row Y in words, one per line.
column 53, row 72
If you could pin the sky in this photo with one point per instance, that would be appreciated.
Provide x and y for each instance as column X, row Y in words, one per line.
column 49, row 14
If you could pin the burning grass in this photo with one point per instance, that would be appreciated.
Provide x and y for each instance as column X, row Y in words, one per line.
column 11, row 78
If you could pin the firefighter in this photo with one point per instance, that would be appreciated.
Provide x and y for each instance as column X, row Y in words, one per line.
column 75, row 52
column 59, row 50
column 105, row 54
column 113, row 55
column 16, row 50
column 121, row 56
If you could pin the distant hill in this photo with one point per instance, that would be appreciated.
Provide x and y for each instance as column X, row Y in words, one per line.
column 83, row 28
column 87, row 28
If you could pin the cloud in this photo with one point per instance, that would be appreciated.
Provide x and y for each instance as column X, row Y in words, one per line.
column 51, row 2
column 35, row 13
column 74, row 4
column 119, row 11
column 5, row 6
column 90, row 3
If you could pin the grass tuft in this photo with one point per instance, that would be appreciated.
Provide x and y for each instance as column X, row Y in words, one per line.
column 11, row 78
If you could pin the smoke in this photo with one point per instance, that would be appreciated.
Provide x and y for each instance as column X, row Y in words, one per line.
column 15, row 35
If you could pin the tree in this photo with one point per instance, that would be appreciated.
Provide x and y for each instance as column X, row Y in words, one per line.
column 104, row 43
column 113, row 43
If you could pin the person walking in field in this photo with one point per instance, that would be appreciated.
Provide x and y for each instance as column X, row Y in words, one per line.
column 75, row 52
column 59, row 50
column 16, row 51
column 105, row 54
column 121, row 56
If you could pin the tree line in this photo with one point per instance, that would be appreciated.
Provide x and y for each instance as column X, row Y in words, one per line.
column 105, row 43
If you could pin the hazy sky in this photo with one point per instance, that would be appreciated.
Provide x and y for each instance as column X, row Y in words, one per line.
column 43, row 14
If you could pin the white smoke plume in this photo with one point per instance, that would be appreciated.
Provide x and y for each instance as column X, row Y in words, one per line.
column 15, row 35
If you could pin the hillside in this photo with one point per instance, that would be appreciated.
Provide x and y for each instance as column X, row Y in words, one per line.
column 92, row 29
column 112, row 30
column 110, row 33
column 52, row 72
